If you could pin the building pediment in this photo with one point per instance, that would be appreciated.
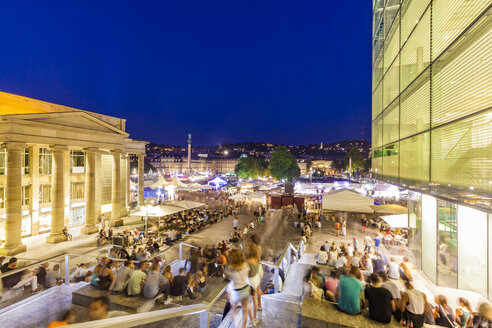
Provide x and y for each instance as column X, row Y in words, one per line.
column 79, row 121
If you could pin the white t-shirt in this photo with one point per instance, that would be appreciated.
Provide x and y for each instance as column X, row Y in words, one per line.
column 321, row 257
column 239, row 276
column 368, row 240
column 350, row 251
column 342, row 260
column 235, row 222
column 393, row 270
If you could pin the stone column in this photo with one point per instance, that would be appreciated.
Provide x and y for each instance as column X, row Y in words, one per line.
column 35, row 190
column 57, row 195
column 13, row 225
column 116, row 189
column 90, row 191
column 140, row 180
column 128, row 175
column 124, row 178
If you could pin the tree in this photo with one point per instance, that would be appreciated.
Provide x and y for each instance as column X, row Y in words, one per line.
column 283, row 165
column 357, row 159
column 251, row 167
column 147, row 167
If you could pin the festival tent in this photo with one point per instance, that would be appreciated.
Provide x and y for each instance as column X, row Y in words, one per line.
column 217, row 182
column 238, row 197
column 160, row 183
column 396, row 221
column 389, row 209
column 185, row 204
column 158, row 211
column 347, row 201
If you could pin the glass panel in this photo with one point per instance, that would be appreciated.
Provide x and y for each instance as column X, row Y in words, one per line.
column 415, row 54
column 377, row 132
column 472, row 266
column 462, row 87
column 26, row 194
column 411, row 13
column 462, row 154
column 390, row 163
column 415, row 108
column 377, row 101
column 429, row 224
column 391, row 124
column 377, row 72
column 377, row 163
column 415, row 227
column 391, row 84
column 450, row 18
column 392, row 45
column 414, row 161
column 447, row 269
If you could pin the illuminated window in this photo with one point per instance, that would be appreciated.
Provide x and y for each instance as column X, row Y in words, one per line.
column 45, row 161
column 3, row 161
column 26, row 195
column 45, row 193
column 77, row 190
column 2, row 197
column 26, row 162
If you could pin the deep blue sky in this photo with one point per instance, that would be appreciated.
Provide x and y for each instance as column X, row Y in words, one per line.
column 291, row 72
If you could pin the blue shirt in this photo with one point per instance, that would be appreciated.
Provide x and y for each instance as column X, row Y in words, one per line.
column 377, row 241
column 350, row 292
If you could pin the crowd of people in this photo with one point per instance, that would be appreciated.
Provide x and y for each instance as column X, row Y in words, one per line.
column 39, row 278
column 357, row 279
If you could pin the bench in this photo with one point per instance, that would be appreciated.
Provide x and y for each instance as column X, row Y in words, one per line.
column 317, row 314
column 85, row 295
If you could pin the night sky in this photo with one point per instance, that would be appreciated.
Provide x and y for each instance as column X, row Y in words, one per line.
column 291, row 72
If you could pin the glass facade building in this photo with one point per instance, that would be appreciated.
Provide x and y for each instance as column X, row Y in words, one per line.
column 432, row 130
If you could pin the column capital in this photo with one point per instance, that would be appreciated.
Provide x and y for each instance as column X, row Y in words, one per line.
column 14, row 145
column 58, row 148
column 92, row 150
column 117, row 151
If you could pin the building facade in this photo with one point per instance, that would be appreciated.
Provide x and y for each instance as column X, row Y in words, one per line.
column 171, row 165
column 60, row 167
column 432, row 130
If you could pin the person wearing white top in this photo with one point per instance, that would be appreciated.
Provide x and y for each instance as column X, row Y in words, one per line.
column 333, row 257
column 322, row 256
column 341, row 262
column 393, row 269
column 350, row 250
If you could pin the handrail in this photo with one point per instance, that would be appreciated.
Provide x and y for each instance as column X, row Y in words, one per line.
column 49, row 259
column 203, row 309
column 139, row 319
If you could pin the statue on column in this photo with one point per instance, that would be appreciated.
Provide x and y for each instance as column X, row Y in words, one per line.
column 189, row 138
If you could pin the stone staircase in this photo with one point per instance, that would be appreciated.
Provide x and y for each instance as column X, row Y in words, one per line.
column 281, row 309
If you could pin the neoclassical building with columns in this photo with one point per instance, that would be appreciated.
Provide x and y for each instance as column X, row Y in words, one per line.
column 61, row 167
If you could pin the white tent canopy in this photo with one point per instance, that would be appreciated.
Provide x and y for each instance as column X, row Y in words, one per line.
column 396, row 221
column 347, row 201
column 185, row 204
column 159, row 183
column 389, row 209
column 158, row 211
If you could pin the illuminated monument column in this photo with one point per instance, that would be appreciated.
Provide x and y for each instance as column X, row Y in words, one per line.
column 189, row 153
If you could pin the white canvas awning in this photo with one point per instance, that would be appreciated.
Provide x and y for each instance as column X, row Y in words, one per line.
column 185, row 204
column 158, row 211
column 390, row 209
column 397, row 220
column 347, row 201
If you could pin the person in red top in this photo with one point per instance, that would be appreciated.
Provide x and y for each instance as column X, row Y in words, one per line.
column 67, row 319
